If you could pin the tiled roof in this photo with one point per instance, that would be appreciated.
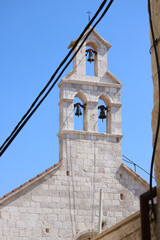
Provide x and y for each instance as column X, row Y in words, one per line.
column 31, row 181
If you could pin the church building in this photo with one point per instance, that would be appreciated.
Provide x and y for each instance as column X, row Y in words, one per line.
column 63, row 201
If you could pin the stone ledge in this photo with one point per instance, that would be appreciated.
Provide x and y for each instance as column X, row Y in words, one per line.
column 89, row 83
column 115, row 105
column 65, row 100
column 118, row 137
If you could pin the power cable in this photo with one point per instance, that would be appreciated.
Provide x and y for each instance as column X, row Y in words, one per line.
column 52, row 77
column 24, row 119
column 158, row 121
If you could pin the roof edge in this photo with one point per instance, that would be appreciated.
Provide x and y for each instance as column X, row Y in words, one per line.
column 107, row 44
column 136, row 175
column 31, row 181
column 114, row 78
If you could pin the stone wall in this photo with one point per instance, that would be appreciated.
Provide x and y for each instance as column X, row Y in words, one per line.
column 64, row 202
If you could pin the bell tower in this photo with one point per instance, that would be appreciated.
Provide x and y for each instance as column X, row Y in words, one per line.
column 90, row 158
column 89, row 89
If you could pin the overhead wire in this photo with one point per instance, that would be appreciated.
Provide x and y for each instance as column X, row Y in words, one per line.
column 52, row 77
column 158, row 120
column 29, row 113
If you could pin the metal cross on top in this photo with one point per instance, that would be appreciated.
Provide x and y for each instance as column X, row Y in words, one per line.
column 89, row 16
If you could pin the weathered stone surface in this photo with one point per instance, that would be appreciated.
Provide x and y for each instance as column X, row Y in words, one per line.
column 128, row 229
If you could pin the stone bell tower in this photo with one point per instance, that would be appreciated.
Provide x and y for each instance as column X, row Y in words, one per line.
column 91, row 159
column 89, row 89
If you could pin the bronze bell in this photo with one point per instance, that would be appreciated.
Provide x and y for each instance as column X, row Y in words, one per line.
column 90, row 57
column 102, row 114
column 78, row 111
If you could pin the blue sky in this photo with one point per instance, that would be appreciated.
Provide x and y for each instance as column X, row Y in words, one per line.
column 34, row 40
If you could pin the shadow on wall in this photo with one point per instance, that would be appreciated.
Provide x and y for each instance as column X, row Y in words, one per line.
column 128, row 181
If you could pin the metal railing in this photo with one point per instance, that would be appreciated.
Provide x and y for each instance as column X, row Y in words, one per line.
column 126, row 159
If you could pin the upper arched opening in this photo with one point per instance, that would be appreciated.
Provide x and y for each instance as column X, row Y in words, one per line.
column 82, row 97
column 91, row 52
column 104, row 114
column 92, row 45
column 80, row 123
column 106, row 99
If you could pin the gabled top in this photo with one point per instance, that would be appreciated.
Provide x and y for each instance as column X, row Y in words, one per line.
column 102, row 40
column 32, row 181
column 99, row 47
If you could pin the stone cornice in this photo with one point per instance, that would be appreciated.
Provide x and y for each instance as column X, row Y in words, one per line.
column 66, row 100
column 90, row 83
column 115, row 105
column 86, row 133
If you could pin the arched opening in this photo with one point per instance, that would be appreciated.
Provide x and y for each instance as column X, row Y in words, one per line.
column 80, row 112
column 104, row 114
column 91, row 59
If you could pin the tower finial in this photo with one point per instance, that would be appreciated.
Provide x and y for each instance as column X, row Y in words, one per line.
column 89, row 15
